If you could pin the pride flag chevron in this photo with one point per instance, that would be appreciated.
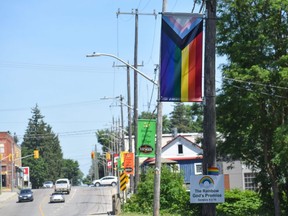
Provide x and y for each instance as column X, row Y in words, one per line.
column 181, row 57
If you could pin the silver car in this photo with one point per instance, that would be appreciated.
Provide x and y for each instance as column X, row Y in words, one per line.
column 48, row 184
column 57, row 197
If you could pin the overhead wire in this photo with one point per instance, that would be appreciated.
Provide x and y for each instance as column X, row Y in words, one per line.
column 63, row 68
column 258, row 84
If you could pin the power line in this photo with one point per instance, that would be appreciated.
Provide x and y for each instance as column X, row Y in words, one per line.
column 63, row 68
column 254, row 83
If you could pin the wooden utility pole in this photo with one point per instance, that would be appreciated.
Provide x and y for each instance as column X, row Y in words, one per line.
column 129, row 116
column 209, row 133
column 135, row 108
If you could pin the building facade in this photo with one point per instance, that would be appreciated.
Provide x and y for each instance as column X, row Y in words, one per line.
column 182, row 151
column 11, row 172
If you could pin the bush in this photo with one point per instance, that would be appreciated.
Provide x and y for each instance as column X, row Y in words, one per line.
column 240, row 203
column 173, row 195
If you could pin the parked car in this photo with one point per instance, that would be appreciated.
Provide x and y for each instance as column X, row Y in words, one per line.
column 63, row 185
column 25, row 195
column 107, row 180
column 57, row 197
column 48, row 184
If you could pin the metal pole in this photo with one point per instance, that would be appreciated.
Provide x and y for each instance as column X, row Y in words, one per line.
column 12, row 167
column 151, row 80
column 122, row 124
column 157, row 173
column 96, row 163
column 129, row 125
column 136, row 178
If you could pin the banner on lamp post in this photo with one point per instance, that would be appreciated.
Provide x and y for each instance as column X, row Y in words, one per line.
column 129, row 163
column 146, row 138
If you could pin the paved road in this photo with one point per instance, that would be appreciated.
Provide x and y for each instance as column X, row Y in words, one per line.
column 81, row 201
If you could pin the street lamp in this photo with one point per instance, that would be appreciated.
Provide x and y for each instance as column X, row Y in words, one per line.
column 157, row 172
column 113, row 56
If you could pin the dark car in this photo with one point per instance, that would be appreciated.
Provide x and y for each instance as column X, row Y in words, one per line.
column 25, row 195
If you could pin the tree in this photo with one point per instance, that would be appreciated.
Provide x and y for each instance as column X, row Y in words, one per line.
column 174, row 197
column 187, row 118
column 39, row 136
column 252, row 105
column 70, row 169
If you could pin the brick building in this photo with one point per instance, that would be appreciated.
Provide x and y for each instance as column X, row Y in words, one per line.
column 11, row 163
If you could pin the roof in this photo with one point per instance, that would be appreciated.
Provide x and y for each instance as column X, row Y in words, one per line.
column 180, row 136
column 171, row 160
column 163, row 161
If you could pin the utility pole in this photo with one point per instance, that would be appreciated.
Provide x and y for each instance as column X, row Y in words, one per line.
column 129, row 104
column 129, row 116
column 209, row 133
column 136, row 179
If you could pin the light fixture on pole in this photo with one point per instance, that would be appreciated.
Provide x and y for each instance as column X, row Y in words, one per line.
column 119, row 59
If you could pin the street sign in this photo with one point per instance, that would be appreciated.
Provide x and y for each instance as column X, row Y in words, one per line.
column 123, row 181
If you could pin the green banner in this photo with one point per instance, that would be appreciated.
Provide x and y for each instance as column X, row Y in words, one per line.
column 146, row 138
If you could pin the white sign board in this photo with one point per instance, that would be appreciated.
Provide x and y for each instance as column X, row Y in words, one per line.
column 26, row 174
column 207, row 189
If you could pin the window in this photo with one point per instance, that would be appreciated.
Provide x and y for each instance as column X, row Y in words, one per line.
column 175, row 168
column 198, row 168
column 249, row 179
column 180, row 149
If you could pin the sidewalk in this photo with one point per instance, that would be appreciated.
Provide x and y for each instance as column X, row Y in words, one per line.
column 7, row 194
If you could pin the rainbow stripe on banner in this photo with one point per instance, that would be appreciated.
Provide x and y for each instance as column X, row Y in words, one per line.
column 181, row 57
column 213, row 171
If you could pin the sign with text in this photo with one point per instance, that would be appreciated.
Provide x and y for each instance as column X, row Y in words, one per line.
column 122, row 156
column 129, row 163
column 146, row 138
column 207, row 189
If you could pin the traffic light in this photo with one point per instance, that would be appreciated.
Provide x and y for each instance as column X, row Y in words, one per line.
column 92, row 154
column 10, row 157
column 108, row 157
column 36, row 154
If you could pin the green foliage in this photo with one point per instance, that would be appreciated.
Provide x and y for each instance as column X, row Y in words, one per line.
column 253, row 35
column 50, row 165
column 173, row 195
column 187, row 118
column 70, row 169
column 240, row 203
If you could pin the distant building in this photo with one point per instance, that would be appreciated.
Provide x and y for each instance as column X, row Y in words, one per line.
column 11, row 163
column 181, row 151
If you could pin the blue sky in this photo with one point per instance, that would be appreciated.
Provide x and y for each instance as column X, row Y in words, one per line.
column 43, row 61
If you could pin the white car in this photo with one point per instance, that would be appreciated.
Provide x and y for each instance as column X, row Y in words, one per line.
column 57, row 197
column 62, row 185
column 107, row 180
